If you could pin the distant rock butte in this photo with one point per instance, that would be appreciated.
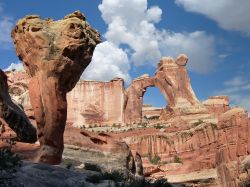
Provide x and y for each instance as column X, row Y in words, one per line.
column 54, row 55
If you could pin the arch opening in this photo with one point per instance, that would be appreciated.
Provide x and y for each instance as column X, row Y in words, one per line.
column 153, row 103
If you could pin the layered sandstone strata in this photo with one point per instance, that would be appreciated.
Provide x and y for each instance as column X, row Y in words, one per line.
column 233, row 146
column 54, row 55
column 217, row 104
column 93, row 102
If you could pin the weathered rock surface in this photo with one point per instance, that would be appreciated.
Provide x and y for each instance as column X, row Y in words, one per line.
column 217, row 104
column 233, row 146
column 172, row 79
column 87, row 150
column 135, row 92
column 42, row 175
column 13, row 115
column 93, row 102
column 54, row 55
column 101, row 149
column 205, row 136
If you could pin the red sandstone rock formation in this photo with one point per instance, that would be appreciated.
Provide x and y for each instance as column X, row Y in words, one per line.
column 194, row 133
column 172, row 79
column 135, row 92
column 13, row 115
column 233, row 145
column 93, row 102
column 54, row 54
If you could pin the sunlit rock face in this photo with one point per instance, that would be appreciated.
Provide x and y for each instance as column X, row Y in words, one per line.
column 93, row 102
column 54, row 55
column 211, row 138
column 13, row 115
column 172, row 79
column 233, row 146
column 134, row 103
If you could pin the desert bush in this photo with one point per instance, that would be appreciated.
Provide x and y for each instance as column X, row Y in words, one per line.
column 9, row 160
column 158, row 126
column 68, row 163
column 214, row 126
column 154, row 160
column 177, row 159
column 92, row 167
column 197, row 123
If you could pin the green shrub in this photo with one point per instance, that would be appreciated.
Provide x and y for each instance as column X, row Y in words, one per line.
column 115, row 176
column 155, row 160
column 92, row 167
column 214, row 126
column 68, row 163
column 9, row 160
column 177, row 159
column 95, row 179
column 153, row 117
column 158, row 126
column 198, row 123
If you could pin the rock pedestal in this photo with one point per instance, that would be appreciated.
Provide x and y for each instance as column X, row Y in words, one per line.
column 54, row 55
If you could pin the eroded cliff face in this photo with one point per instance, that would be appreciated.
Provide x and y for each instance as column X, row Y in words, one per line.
column 13, row 115
column 54, row 55
column 218, row 143
column 208, row 139
column 233, row 146
column 93, row 102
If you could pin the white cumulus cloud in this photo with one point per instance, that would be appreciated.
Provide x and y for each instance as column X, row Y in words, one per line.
column 198, row 45
column 229, row 14
column 132, row 30
column 108, row 62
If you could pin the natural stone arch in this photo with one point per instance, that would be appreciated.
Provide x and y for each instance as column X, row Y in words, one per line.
column 173, row 81
column 135, row 92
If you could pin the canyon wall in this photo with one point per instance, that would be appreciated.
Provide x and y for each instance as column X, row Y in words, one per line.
column 93, row 102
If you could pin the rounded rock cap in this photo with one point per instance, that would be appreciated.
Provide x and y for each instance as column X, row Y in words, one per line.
column 181, row 60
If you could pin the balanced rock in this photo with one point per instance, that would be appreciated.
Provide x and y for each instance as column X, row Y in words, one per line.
column 54, row 55
column 172, row 79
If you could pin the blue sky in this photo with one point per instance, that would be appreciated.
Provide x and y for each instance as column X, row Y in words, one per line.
column 136, row 33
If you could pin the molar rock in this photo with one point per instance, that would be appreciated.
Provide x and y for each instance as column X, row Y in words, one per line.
column 54, row 55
